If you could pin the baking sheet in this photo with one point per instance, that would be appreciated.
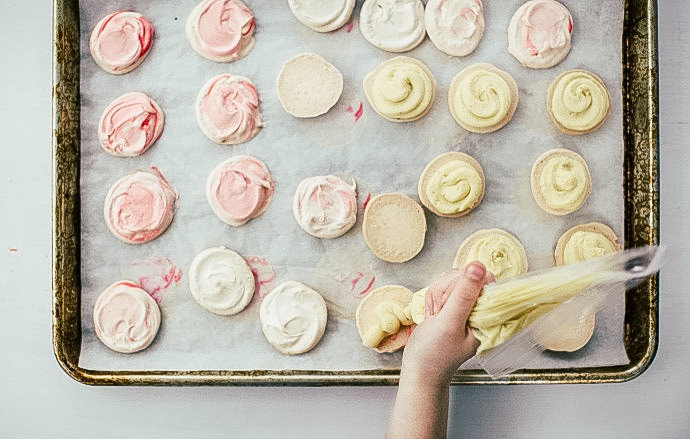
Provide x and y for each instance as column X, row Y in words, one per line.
column 381, row 156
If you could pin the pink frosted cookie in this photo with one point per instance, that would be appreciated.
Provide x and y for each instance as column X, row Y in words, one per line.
column 325, row 206
column 130, row 125
column 227, row 109
column 454, row 26
column 221, row 30
column 121, row 41
column 126, row 319
column 239, row 189
column 140, row 206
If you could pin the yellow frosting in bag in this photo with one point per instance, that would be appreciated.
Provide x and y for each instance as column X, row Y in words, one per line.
column 390, row 315
column 402, row 90
column 579, row 101
column 583, row 246
column 482, row 99
column 454, row 187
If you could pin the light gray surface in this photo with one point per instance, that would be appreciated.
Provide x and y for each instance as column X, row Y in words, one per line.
column 39, row 400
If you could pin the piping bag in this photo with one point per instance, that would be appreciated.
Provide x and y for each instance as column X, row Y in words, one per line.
column 511, row 316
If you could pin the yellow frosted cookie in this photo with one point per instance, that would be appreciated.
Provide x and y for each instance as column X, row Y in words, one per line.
column 500, row 252
column 451, row 185
column 578, row 102
column 560, row 181
column 384, row 319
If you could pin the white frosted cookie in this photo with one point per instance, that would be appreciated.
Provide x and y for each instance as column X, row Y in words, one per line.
column 320, row 15
column 451, row 185
column 126, row 318
column 293, row 318
column 221, row 281
column 584, row 242
column 454, row 26
column 393, row 25
column 539, row 33
column 239, row 189
column 140, row 206
column 121, row 41
column 384, row 320
column 501, row 253
column 578, row 102
column 482, row 98
column 325, row 206
column 227, row 109
column 308, row 85
column 560, row 181
column 221, row 30
column 400, row 89
column 130, row 125
column 394, row 227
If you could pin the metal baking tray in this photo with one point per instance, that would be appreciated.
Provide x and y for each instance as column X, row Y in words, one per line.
column 641, row 227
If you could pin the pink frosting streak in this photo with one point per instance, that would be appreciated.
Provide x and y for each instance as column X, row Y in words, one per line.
column 225, row 27
column 121, row 40
column 546, row 26
column 130, row 125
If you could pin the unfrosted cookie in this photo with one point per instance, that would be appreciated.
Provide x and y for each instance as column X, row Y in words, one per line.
column 308, row 85
column 227, row 109
column 239, row 189
column 584, row 242
column 501, row 253
column 221, row 281
column 384, row 319
column 320, row 15
column 393, row 25
column 130, row 125
column 221, row 30
column 578, row 102
column 394, row 227
column 572, row 334
column 539, row 33
column 293, row 317
column 454, row 26
column 140, row 206
column 451, row 185
column 560, row 181
column 401, row 89
column 121, row 41
column 482, row 98
column 126, row 318
column 325, row 206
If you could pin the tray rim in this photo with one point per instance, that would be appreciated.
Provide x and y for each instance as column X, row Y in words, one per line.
column 641, row 188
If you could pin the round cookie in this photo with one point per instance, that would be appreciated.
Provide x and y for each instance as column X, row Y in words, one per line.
column 121, row 41
column 572, row 334
column 393, row 25
column 308, row 85
column 401, row 89
column 322, row 16
column 539, row 33
column 482, row 98
column 130, row 125
column 227, row 109
column 293, row 318
column 394, row 227
column 584, row 242
column 451, row 185
column 578, row 102
column 501, row 253
column 454, row 26
column 221, row 281
column 383, row 318
column 126, row 318
column 560, row 181
column 140, row 206
column 221, row 30
column 325, row 206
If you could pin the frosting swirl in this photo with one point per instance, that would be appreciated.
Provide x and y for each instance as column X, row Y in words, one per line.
column 221, row 30
column 140, row 206
column 454, row 187
column 221, row 281
column 539, row 33
column 586, row 245
column 227, row 109
column 293, row 317
column 121, row 41
column 239, row 189
column 126, row 319
column 454, row 26
column 130, row 125
column 322, row 16
column 390, row 316
column 393, row 25
column 502, row 255
column 563, row 181
column 325, row 206
column 579, row 101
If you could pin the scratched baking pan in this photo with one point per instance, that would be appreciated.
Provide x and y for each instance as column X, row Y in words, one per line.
column 641, row 227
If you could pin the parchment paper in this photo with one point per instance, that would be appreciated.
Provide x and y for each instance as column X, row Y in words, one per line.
column 381, row 156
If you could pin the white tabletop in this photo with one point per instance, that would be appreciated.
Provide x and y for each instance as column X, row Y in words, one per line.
column 37, row 399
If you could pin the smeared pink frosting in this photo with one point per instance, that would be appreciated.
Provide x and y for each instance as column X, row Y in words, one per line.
column 325, row 206
column 239, row 189
column 120, row 41
column 157, row 276
column 221, row 30
column 140, row 206
column 130, row 125
column 228, row 109
column 264, row 276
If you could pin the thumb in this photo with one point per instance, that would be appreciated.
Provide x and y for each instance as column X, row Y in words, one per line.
column 464, row 293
